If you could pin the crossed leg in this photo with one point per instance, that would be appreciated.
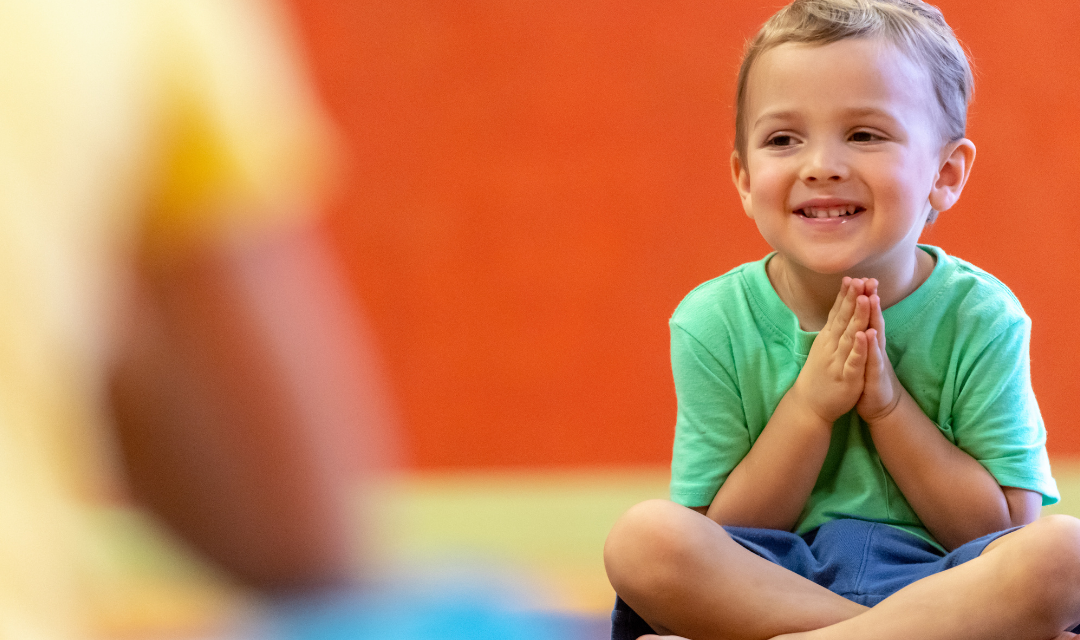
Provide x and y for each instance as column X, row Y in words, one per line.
column 684, row 575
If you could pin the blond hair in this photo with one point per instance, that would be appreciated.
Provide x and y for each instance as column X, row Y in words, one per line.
column 917, row 28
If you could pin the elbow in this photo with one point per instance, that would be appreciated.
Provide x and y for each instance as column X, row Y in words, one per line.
column 1024, row 506
column 975, row 524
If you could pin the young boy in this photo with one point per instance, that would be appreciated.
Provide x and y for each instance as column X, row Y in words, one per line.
column 849, row 471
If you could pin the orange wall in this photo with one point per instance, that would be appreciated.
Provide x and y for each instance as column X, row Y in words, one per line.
column 534, row 185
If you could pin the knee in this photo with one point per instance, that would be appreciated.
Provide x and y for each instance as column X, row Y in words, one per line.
column 648, row 545
column 1055, row 543
column 1050, row 558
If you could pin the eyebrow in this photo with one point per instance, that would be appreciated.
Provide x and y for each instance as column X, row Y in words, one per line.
column 851, row 112
column 774, row 115
column 869, row 111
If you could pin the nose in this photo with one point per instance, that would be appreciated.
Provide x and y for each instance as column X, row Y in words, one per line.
column 824, row 162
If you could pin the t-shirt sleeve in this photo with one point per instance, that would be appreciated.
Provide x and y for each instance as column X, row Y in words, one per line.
column 711, row 436
column 996, row 418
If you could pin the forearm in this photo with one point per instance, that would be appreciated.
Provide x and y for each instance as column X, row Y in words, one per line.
column 770, row 486
column 232, row 398
column 956, row 498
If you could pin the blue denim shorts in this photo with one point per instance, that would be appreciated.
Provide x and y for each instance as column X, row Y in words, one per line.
column 865, row 562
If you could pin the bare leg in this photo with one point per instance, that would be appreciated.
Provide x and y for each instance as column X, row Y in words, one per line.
column 683, row 574
column 1023, row 587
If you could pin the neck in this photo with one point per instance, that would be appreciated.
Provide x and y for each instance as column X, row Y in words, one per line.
column 810, row 295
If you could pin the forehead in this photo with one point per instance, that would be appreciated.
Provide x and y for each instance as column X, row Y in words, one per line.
column 851, row 75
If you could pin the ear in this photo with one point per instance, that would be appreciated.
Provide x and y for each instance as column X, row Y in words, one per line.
column 740, row 175
column 953, row 174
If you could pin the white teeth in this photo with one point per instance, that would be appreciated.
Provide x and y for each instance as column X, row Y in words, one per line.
column 829, row 212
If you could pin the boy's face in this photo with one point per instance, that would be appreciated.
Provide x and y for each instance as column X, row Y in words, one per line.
column 844, row 156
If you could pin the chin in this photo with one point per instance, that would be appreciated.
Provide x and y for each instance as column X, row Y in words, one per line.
column 835, row 267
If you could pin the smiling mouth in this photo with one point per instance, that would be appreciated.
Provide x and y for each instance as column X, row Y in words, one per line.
column 830, row 212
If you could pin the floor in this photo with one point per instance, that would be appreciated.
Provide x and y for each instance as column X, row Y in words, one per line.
column 539, row 535
column 453, row 556
column 546, row 528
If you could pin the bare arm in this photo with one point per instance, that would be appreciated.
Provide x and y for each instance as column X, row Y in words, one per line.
column 235, row 395
column 770, row 486
column 956, row 498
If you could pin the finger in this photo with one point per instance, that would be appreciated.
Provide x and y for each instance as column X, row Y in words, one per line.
column 858, row 288
column 871, row 286
column 855, row 365
column 856, row 323
column 847, row 307
column 877, row 319
column 839, row 300
column 859, row 284
column 873, row 354
column 860, row 319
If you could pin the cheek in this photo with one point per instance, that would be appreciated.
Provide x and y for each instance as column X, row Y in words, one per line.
column 904, row 184
column 767, row 183
column 769, row 231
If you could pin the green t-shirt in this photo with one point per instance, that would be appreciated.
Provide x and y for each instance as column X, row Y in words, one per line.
column 958, row 344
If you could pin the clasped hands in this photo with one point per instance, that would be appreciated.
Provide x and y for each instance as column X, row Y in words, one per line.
column 847, row 365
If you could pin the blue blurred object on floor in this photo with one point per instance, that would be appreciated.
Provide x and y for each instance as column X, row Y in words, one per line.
column 470, row 613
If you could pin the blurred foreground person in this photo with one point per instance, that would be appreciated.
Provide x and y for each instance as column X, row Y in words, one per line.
column 171, row 327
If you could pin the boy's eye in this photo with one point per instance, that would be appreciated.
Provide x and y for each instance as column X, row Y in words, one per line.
column 864, row 136
column 780, row 141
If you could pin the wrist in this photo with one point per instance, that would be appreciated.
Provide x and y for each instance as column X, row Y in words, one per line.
column 884, row 413
column 798, row 403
